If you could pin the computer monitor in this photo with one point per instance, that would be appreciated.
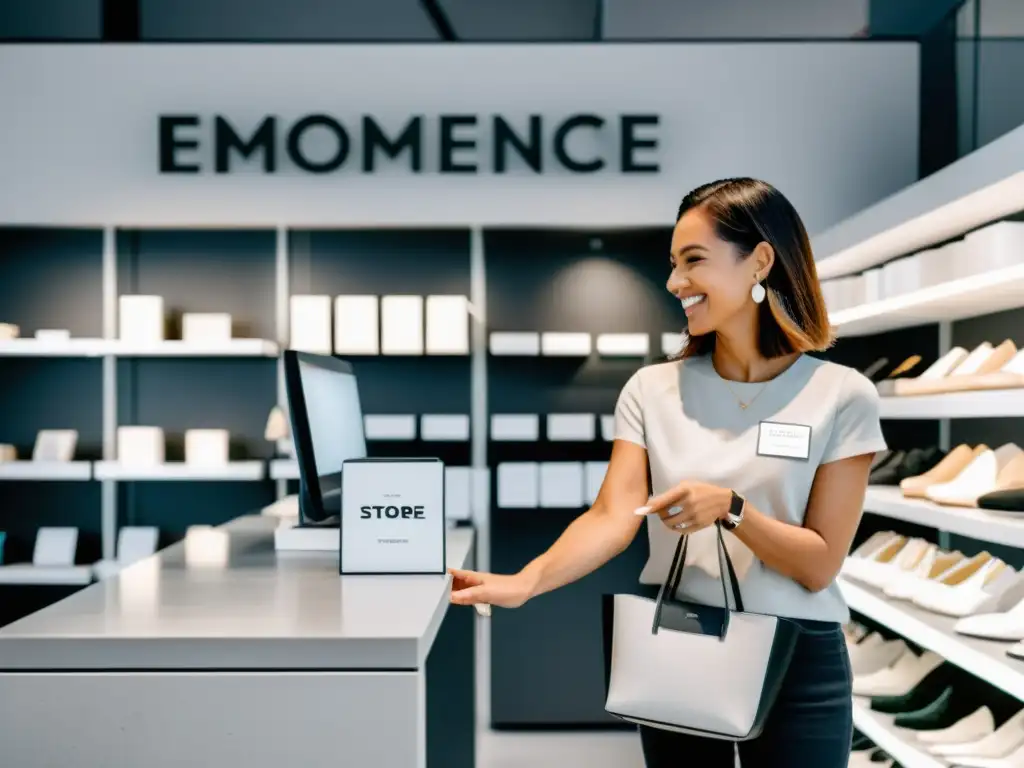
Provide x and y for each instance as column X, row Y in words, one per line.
column 327, row 429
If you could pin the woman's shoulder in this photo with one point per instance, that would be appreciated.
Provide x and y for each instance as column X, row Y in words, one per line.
column 849, row 383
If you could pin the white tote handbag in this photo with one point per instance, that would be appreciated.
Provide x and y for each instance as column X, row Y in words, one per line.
column 694, row 668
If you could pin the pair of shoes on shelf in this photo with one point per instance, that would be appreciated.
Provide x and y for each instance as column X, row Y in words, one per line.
column 1000, row 747
column 947, row 583
column 899, row 465
column 873, row 653
column 967, row 475
column 987, row 366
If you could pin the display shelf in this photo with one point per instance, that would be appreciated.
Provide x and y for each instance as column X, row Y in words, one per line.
column 1006, row 528
column 980, row 294
column 976, row 189
column 235, row 470
column 284, row 469
column 102, row 347
column 881, row 731
column 995, row 403
column 28, row 574
column 46, row 470
column 985, row 659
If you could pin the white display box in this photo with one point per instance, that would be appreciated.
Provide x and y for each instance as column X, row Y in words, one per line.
column 401, row 325
column 518, row 485
column 55, row 547
column 140, row 446
column 623, row 344
column 561, row 484
column 134, row 543
column 515, row 427
column 206, row 547
column 516, row 343
column 856, row 291
column 557, row 344
column 594, row 472
column 310, row 324
column 444, row 427
column 458, row 493
column 9, row 331
column 671, row 343
column 570, row 426
column 995, row 246
column 206, row 328
column 390, row 427
column 608, row 427
column 207, row 447
column 447, row 325
column 55, row 445
column 873, row 288
column 357, row 325
column 956, row 260
column 141, row 319
column 53, row 336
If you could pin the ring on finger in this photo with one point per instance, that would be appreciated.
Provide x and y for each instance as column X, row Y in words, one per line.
column 681, row 526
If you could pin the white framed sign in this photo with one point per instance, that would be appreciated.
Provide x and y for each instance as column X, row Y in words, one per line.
column 392, row 517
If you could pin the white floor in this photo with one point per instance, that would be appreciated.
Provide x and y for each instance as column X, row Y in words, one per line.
column 599, row 749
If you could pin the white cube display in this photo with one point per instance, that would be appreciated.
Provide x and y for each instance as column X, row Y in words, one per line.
column 357, row 325
column 390, row 426
column 207, row 447
column 447, row 325
column 570, row 426
column 458, row 492
column 561, row 484
column 401, row 325
column 608, row 427
column 310, row 324
column 53, row 335
column 559, row 344
column 623, row 344
column 444, row 427
column 9, row 331
column 206, row 328
column 515, row 343
column 55, row 547
column 519, row 484
column 141, row 319
column 671, row 343
column 55, row 445
column 140, row 446
column 515, row 427
column 594, row 472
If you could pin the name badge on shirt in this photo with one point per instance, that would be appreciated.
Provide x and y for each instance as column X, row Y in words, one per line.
column 788, row 441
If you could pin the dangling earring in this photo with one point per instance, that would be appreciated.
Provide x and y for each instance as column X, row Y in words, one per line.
column 757, row 293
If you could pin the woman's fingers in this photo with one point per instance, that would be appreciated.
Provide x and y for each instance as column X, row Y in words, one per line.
column 468, row 596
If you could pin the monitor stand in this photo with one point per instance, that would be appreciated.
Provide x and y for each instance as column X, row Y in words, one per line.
column 307, row 534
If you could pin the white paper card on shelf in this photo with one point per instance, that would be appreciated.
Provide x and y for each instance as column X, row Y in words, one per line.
column 206, row 328
column 55, row 445
column 607, row 427
column 517, row 427
column 518, row 485
column 206, row 547
column 447, row 325
column 393, row 516
column 53, row 335
column 561, row 484
column 594, row 472
column 207, row 447
column 8, row 453
column 9, row 331
column 557, row 344
column 449, row 427
column 515, row 343
column 390, row 426
column 401, row 325
column 140, row 446
column 623, row 344
column 671, row 343
column 357, row 325
column 310, row 324
column 140, row 319
column 570, row 426
column 55, row 546
column 136, row 542
column 458, row 492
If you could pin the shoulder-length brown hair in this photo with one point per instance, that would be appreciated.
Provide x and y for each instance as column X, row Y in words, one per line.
column 747, row 212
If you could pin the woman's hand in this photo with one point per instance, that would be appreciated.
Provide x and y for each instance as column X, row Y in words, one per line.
column 690, row 506
column 477, row 588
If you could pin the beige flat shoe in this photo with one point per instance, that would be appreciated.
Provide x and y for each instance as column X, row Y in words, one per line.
column 956, row 461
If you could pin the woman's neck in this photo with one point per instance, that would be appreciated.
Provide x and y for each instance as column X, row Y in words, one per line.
column 741, row 360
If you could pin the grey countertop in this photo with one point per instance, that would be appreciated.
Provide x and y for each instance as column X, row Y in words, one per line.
column 246, row 608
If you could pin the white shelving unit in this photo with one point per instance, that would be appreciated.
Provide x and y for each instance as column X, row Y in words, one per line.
column 980, row 294
column 110, row 347
column 985, row 659
column 46, row 470
column 1006, row 529
column 27, row 574
column 234, row 471
column 880, row 730
column 29, row 347
column 996, row 403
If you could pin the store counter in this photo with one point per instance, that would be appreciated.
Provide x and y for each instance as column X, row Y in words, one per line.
column 231, row 654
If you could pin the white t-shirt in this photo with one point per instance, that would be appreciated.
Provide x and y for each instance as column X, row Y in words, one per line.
column 690, row 421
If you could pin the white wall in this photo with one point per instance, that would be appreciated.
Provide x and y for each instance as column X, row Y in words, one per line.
column 687, row 19
column 834, row 125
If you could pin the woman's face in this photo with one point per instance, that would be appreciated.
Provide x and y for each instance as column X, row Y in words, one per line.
column 708, row 276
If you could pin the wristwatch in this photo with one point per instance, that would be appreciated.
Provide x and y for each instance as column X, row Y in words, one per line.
column 735, row 515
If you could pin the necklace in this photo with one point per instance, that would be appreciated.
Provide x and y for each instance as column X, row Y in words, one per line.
column 744, row 405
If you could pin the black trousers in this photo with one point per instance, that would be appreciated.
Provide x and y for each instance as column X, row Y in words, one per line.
column 810, row 726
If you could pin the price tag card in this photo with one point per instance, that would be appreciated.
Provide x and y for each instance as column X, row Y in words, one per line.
column 392, row 517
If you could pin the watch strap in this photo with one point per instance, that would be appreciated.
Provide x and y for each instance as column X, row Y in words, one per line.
column 735, row 512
